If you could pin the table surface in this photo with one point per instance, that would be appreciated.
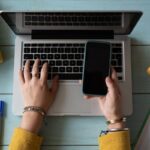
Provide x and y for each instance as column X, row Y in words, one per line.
column 65, row 133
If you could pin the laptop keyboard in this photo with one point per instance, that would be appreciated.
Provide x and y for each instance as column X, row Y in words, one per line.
column 73, row 19
column 66, row 59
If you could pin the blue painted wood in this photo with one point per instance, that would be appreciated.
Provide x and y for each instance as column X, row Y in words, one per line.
column 6, row 70
column 58, row 130
column 141, row 107
column 71, row 131
column 140, row 35
column 79, row 130
column 140, row 63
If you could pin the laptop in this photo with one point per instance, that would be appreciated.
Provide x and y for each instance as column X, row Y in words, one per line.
column 59, row 38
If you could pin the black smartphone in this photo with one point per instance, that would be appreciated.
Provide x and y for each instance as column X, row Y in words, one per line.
column 97, row 65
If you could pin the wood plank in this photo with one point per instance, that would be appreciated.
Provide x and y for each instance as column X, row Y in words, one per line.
column 6, row 69
column 140, row 36
column 61, row 148
column 141, row 104
column 58, row 130
column 7, row 36
column 79, row 131
column 140, row 63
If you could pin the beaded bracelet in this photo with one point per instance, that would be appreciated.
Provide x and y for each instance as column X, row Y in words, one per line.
column 35, row 109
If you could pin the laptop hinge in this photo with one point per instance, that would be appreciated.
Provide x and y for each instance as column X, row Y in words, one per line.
column 72, row 34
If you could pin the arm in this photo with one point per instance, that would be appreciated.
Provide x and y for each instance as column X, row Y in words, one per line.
column 111, row 108
column 36, row 93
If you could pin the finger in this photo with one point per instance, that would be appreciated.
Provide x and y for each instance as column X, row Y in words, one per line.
column 114, row 75
column 55, row 84
column 87, row 97
column 35, row 69
column 21, row 77
column 115, row 79
column 110, row 85
column 27, row 75
column 44, row 73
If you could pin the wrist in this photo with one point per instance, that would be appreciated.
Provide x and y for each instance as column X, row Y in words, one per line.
column 118, row 125
column 31, row 121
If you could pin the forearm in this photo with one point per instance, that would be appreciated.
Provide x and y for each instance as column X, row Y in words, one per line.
column 25, row 137
column 31, row 121
column 115, row 140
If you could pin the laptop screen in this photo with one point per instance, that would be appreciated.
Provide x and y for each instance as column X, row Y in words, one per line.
column 26, row 22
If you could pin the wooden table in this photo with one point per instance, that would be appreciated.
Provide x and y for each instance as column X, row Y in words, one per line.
column 79, row 133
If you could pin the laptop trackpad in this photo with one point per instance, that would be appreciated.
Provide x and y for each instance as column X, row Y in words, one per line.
column 69, row 101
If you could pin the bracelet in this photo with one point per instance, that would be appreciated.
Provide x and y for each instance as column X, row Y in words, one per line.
column 35, row 109
column 116, row 130
column 116, row 121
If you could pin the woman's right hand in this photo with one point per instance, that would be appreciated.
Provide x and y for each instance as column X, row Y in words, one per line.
column 110, row 104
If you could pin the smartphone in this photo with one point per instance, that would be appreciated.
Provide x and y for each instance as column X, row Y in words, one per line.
column 97, row 65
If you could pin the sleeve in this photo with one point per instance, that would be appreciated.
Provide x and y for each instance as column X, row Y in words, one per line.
column 25, row 140
column 115, row 141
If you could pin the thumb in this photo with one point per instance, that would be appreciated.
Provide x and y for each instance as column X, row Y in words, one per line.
column 110, row 85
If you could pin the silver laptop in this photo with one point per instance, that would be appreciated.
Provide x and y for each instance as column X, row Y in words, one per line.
column 59, row 38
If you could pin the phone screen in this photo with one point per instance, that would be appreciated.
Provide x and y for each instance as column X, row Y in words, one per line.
column 96, row 68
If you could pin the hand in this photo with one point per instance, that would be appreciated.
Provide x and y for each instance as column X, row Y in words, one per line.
column 110, row 104
column 35, row 89
column 36, row 92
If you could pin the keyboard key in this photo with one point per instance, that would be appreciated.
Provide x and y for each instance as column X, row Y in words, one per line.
column 65, row 63
column 43, row 56
column 27, row 50
column 33, row 50
column 61, row 50
column 55, row 69
column 119, row 56
column 37, row 56
column 113, row 63
column 118, row 69
column 116, row 50
column 70, row 76
column 40, row 50
column 79, row 63
column 77, row 56
column 80, row 50
column 119, row 78
column 57, row 56
column 59, row 63
column 64, row 56
column 69, row 69
column 27, row 45
column 67, row 50
column 50, row 56
column 70, row 56
column 76, row 69
column 62, row 69
column 28, row 18
column 72, row 63
column 74, row 50
column 28, row 56
column 54, row 50
column 52, row 63
column 47, row 50
column 33, row 44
